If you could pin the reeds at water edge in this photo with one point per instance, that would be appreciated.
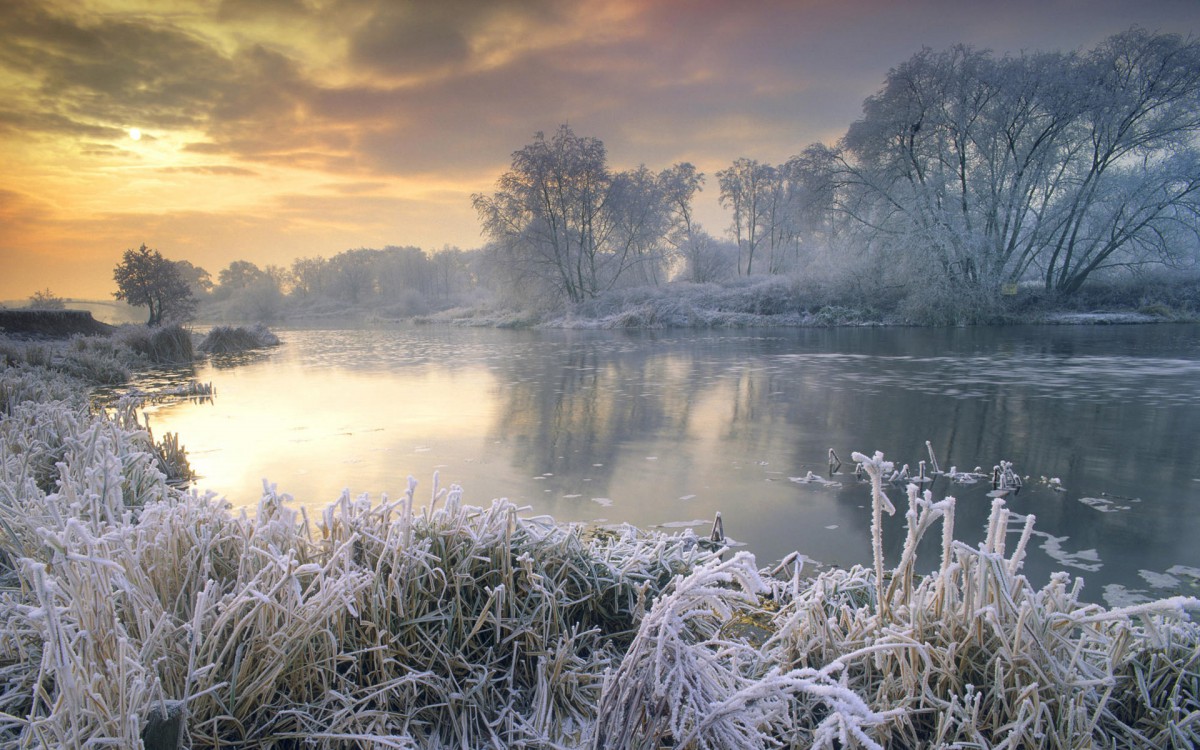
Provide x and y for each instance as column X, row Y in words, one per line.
column 428, row 622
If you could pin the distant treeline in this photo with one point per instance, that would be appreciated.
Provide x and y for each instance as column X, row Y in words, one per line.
column 970, row 179
column 394, row 281
column 968, row 176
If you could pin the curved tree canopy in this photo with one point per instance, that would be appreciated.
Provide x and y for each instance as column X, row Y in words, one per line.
column 145, row 278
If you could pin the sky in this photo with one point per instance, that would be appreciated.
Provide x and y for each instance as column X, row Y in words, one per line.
column 266, row 130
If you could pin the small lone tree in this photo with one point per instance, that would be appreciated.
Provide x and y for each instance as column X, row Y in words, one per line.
column 46, row 300
column 144, row 277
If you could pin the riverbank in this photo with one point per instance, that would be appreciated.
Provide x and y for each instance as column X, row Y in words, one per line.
column 435, row 623
column 785, row 301
column 52, row 324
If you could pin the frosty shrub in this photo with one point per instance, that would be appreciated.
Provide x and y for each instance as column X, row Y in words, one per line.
column 229, row 339
column 167, row 344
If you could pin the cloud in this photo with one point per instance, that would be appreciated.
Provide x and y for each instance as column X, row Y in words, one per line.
column 91, row 74
column 210, row 169
column 412, row 37
column 294, row 122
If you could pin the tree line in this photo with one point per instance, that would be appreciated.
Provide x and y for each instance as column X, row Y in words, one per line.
column 400, row 280
column 968, row 174
column 966, row 170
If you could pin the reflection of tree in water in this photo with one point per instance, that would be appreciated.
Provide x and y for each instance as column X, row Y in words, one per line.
column 1049, row 437
column 783, row 400
column 574, row 409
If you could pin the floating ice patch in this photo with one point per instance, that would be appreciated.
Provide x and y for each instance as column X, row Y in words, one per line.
column 600, row 501
column 1054, row 483
column 1159, row 580
column 687, row 497
column 571, row 497
column 422, row 449
column 1084, row 559
column 1102, row 504
column 832, row 526
column 962, row 477
column 1116, row 595
column 684, row 524
column 811, row 478
column 1185, row 571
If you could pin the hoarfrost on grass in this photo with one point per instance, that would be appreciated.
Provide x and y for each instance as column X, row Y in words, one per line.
column 381, row 625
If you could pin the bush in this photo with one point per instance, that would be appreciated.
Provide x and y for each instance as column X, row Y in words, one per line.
column 230, row 339
column 168, row 344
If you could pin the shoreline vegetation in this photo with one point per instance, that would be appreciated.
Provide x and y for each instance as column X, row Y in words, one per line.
column 134, row 613
column 765, row 301
column 783, row 301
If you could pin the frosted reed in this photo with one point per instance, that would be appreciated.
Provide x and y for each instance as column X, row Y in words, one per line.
column 428, row 622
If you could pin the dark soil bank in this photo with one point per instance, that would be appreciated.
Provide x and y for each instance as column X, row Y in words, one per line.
column 51, row 323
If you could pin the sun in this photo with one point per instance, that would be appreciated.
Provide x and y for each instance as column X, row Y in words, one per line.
column 135, row 133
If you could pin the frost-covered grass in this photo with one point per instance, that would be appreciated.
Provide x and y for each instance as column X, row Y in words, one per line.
column 102, row 359
column 758, row 301
column 397, row 624
column 229, row 339
column 969, row 655
column 170, row 344
column 448, row 626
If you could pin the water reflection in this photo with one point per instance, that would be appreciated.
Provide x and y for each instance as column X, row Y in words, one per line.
column 656, row 428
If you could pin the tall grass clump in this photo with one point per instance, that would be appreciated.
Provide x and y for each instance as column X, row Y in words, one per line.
column 162, row 345
column 97, row 360
column 968, row 655
column 230, row 339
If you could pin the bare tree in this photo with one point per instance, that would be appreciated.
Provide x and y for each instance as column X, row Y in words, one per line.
column 745, row 191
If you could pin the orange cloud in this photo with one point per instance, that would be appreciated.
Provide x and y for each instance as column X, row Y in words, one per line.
column 278, row 128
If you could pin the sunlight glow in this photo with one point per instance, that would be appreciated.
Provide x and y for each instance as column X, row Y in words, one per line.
column 135, row 133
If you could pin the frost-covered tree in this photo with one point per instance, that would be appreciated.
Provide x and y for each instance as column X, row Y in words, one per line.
column 309, row 276
column 548, row 214
column 767, row 205
column 745, row 192
column 566, row 227
column 197, row 279
column 679, row 185
column 145, row 278
column 641, row 222
column 238, row 275
column 984, row 170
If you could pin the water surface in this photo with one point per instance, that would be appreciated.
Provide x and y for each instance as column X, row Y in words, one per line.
column 661, row 428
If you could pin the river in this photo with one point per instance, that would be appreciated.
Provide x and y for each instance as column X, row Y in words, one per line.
column 664, row 429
